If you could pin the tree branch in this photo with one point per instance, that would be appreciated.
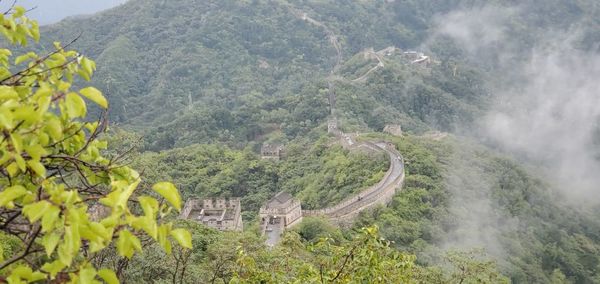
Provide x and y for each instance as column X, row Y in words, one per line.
column 26, row 252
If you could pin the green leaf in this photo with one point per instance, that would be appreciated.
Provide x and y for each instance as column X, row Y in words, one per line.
column 24, row 57
column 88, row 65
column 94, row 95
column 53, row 267
column 169, row 192
column 70, row 245
column 163, row 241
column 35, row 151
column 35, row 211
column 108, row 276
column 11, row 193
column 149, row 205
column 75, row 105
column 127, row 244
column 87, row 274
column 54, row 129
column 183, row 237
column 37, row 167
column 49, row 219
column 8, row 93
column 50, row 242
column 20, row 162
column 19, row 11
column 100, row 230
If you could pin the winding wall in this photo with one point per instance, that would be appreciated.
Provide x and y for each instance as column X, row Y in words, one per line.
column 379, row 194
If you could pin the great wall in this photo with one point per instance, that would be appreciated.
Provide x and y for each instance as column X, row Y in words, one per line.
column 283, row 211
column 379, row 194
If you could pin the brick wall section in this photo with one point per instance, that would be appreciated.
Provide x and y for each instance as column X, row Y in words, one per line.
column 380, row 194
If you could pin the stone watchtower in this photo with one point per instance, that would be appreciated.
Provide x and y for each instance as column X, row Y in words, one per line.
column 269, row 151
column 281, row 212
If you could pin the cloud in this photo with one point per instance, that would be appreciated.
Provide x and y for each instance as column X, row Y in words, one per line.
column 552, row 116
column 474, row 29
column 546, row 104
column 545, row 111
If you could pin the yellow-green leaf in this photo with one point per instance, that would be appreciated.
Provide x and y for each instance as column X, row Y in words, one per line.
column 127, row 244
column 100, row 230
column 163, row 241
column 6, row 118
column 54, row 129
column 75, row 105
column 20, row 162
column 7, row 93
column 50, row 242
column 49, row 219
column 169, row 192
column 149, row 205
column 24, row 272
column 35, row 211
column 94, row 95
column 11, row 193
column 53, row 267
column 87, row 274
column 35, row 151
column 108, row 276
column 37, row 168
column 183, row 237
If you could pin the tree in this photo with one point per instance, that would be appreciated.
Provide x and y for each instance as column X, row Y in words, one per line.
column 61, row 199
column 365, row 259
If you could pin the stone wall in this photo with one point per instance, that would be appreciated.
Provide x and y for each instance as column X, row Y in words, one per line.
column 380, row 194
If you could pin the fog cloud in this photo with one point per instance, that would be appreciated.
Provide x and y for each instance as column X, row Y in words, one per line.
column 547, row 107
column 554, row 117
column 545, row 110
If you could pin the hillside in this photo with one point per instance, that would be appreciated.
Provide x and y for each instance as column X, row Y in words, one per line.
column 230, row 71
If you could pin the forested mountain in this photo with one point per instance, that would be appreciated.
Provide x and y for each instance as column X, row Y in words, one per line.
column 229, row 71
column 197, row 86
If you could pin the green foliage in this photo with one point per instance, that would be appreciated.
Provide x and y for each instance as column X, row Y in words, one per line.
column 314, row 228
column 53, row 174
column 445, row 180
column 318, row 175
column 236, row 71
column 462, row 267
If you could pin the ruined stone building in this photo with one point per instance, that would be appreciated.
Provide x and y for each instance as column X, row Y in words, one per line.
column 269, row 151
column 220, row 213
column 280, row 213
column 393, row 129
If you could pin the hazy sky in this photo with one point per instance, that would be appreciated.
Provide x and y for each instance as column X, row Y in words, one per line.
column 51, row 11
